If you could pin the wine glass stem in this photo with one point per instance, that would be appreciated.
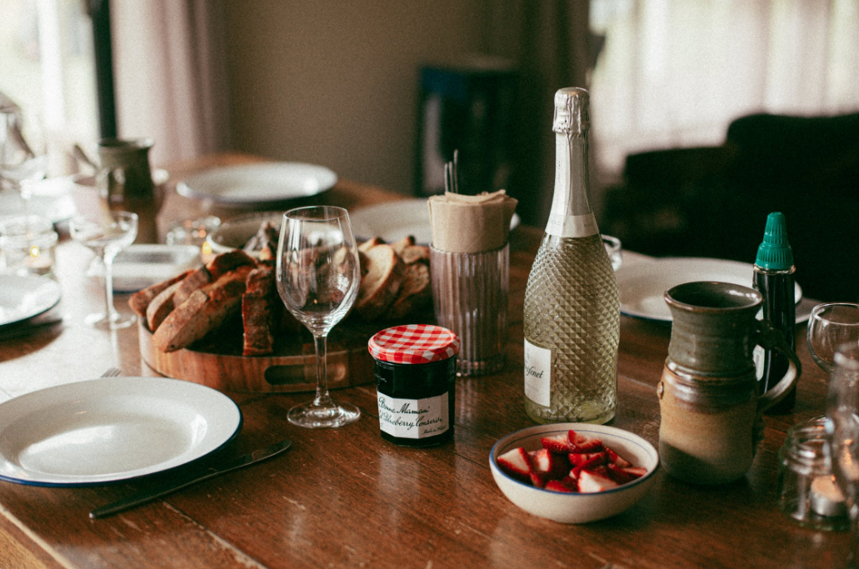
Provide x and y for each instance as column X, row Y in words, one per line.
column 108, row 286
column 322, row 398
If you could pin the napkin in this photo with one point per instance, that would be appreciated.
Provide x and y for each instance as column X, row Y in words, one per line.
column 471, row 224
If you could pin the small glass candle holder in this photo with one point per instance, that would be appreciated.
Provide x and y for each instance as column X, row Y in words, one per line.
column 192, row 231
column 27, row 247
column 806, row 486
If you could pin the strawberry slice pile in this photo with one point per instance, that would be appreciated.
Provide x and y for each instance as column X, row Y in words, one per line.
column 570, row 463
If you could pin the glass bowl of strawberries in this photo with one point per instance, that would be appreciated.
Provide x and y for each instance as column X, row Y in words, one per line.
column 573, row 472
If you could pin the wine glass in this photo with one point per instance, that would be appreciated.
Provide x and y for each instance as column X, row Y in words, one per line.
column 842, row 426
column 318, row 275
column 829, row 326
column 107, row 235
column 23, row 153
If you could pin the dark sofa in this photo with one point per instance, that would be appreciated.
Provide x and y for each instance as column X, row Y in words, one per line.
column 713, row 201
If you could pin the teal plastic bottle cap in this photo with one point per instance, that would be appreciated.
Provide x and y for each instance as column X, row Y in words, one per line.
column 774, row 252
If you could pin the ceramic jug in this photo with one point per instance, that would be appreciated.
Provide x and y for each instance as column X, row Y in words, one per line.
column 125, row 182
column 711, row 413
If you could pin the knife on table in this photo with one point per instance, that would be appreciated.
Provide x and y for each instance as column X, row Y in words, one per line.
column 150, row 494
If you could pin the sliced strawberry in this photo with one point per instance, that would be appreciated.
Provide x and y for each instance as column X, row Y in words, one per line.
column 558, row 444
column 616, row 458
column 582, row 443
column 570, row 481
column 560, row 486
column 550, row 465
column 591, row 481
column 635, row 471
column 515, row 463
column 539, row 479
column 617, row 474
column 595, row 461
column 581, row 458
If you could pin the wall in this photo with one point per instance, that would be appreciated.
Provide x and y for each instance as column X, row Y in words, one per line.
column 334, row 82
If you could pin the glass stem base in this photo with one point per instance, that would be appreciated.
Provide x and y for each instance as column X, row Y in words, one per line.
column 327, row 416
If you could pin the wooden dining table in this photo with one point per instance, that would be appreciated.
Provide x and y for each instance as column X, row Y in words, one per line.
column 347, row 498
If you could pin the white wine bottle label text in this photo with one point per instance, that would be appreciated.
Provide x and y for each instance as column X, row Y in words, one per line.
column 538, row 374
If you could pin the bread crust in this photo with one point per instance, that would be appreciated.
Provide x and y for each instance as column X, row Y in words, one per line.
column 415, row 292
column 202, row 312
column 260, row 310
column 381, row 283
column 139, row 301
column 161, row 306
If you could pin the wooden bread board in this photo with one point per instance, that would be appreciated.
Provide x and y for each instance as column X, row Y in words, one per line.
column 291, row 369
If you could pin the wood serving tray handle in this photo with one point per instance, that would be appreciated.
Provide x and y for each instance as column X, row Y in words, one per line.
column 292, row 370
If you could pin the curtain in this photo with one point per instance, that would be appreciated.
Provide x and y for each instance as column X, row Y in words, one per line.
column 170, row 78
column 675, row 73
column 555, row 52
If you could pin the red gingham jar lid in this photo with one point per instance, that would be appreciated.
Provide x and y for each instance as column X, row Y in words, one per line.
column 414, row 344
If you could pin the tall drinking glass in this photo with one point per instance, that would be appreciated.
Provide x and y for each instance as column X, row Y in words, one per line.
column 107, row 235
column 318, row 275
column 842, row 425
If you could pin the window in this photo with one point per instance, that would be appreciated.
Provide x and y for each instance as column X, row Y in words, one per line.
column 47, row 67
column 675, row 73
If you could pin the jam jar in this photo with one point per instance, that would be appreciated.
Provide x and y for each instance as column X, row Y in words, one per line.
column 415, row 373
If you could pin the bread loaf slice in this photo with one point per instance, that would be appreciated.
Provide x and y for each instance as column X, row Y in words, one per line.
column 203, row 312
column 229, row 261
column 139, row 301
column 160, row 307
column 400, row 246
column 370, row 243
column 197, row 279
column 261, row 309
column 211, row 272
column 380, row 284
column 415, row 254
column 415, row 292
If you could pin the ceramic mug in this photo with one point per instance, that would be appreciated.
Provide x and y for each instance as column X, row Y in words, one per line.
column 711, row 413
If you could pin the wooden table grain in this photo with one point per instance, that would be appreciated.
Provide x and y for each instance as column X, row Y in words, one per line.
column 346, row 498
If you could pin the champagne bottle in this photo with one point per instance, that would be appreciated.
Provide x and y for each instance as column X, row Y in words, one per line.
column 572, row 311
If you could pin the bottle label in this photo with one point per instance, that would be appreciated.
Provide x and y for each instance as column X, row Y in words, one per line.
column 414, row 418
column 538, row 374
column 561, row 224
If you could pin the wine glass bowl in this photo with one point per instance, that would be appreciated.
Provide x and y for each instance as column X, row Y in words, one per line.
column 829, row 326
column 318, row 275
column 106, row 235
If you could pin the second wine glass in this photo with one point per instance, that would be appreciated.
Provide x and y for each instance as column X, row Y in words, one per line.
column 107, row 235
column 829, row 326
column 318, row 275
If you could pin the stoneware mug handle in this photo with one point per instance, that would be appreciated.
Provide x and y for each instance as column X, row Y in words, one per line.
column 772, row 339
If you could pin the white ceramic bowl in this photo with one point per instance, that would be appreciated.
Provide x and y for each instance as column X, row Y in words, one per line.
column 235, row 232
column 574, row 508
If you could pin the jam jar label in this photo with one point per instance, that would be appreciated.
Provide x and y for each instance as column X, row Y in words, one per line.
column 538, row 374
column 414, row 418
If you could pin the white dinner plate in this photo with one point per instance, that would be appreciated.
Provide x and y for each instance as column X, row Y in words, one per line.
column 641, row 286
column 258, row 183
column 23, row 297
column 394, row 220
column 111, row 429
column 143, row 265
